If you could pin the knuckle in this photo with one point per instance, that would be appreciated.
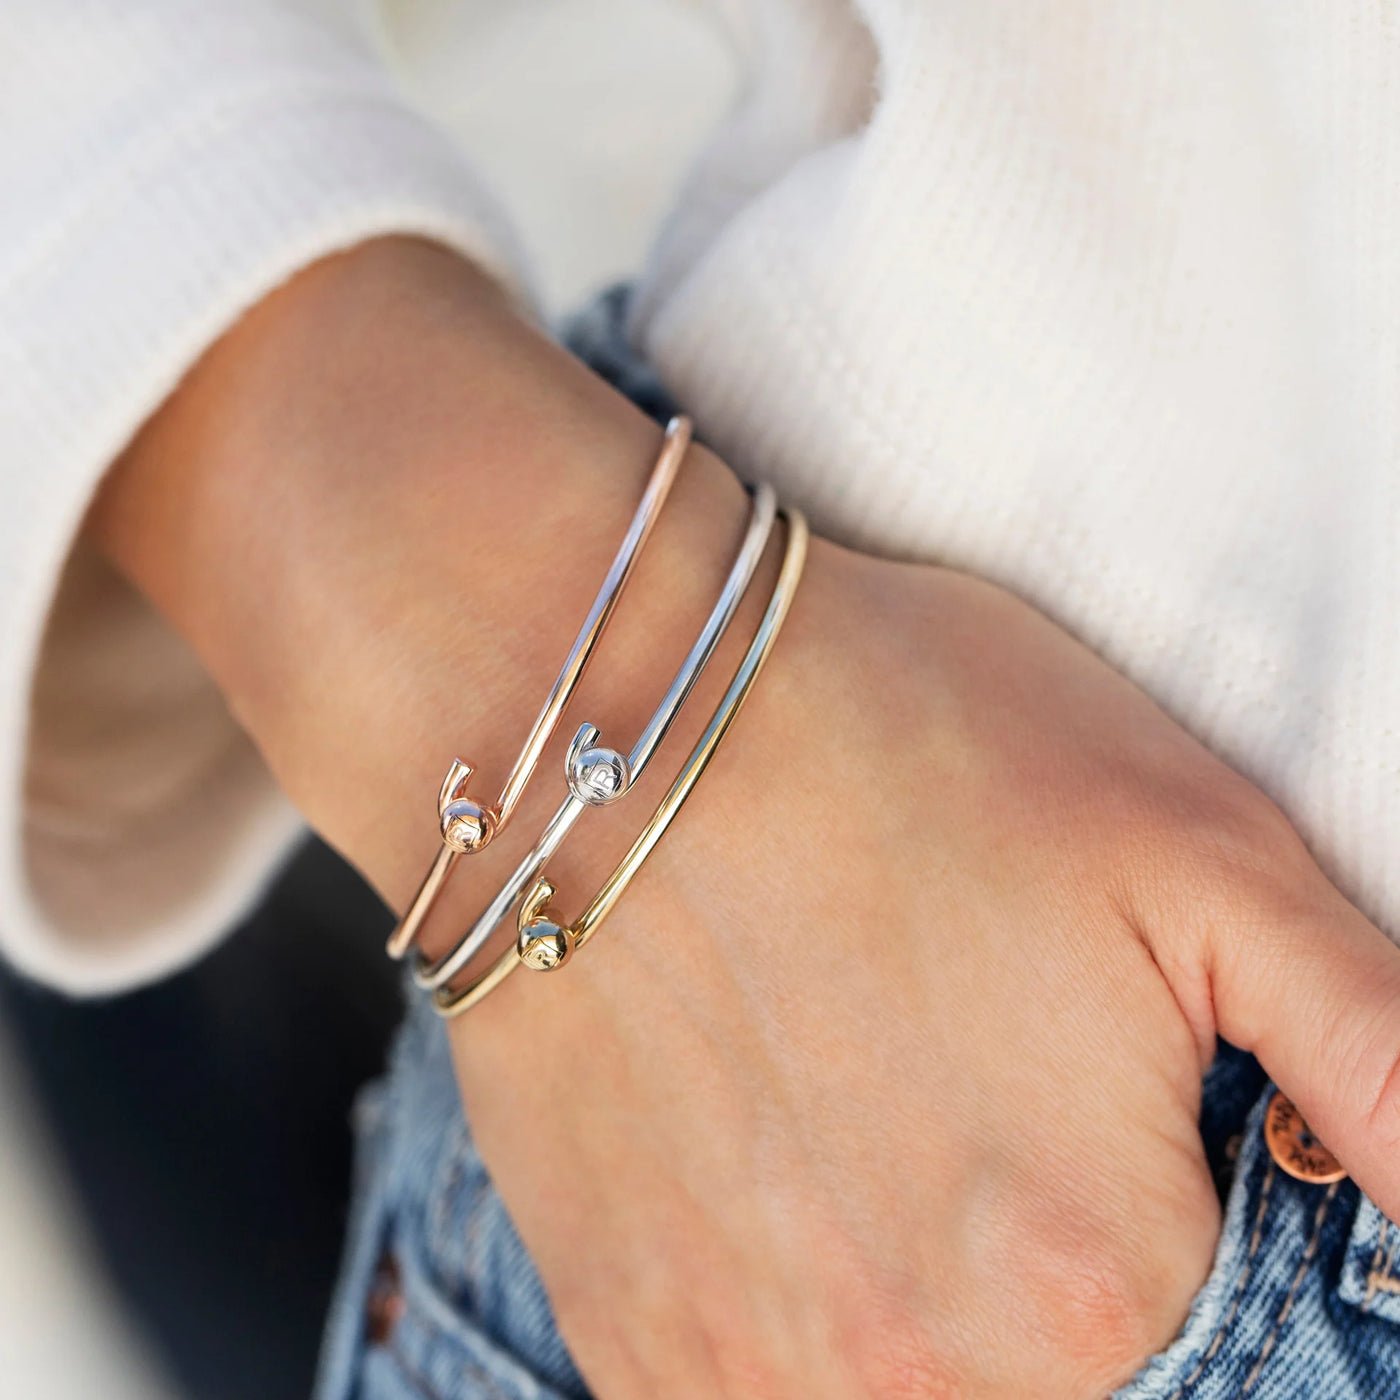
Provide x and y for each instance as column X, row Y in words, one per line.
column 1225, row 841
column 1238, row 831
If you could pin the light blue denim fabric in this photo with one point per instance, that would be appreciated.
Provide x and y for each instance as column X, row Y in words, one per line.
column 439, row 1300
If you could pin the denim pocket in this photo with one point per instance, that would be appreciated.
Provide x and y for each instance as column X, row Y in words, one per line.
column 1274, row 1321
column 439, row 1299
column 473, row 1277
column 436, row 1352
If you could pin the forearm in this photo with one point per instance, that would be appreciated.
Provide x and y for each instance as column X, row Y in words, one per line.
column 378, row 509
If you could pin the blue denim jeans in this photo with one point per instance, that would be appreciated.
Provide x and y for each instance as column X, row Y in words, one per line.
column 440, row 1301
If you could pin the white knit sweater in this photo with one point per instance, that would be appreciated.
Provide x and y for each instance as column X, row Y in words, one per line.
column 1101, row 301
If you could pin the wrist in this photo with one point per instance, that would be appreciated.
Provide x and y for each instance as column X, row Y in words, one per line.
column 379, row 509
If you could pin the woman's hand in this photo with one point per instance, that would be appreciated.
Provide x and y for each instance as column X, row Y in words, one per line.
column 883, row 1079
column 871, row 1086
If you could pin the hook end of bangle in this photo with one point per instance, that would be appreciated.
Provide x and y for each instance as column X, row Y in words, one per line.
column 454, row 785
column 536, row 900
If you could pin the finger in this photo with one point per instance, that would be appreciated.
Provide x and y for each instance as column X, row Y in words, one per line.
column 1312, row 988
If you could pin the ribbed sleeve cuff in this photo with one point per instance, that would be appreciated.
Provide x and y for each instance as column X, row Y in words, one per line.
column 136, row 821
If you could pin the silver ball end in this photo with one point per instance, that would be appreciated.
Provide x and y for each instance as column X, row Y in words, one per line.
column 599, row 776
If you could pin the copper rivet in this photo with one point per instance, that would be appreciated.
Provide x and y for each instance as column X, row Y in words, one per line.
column 1293, row 1146
column 385, row 1306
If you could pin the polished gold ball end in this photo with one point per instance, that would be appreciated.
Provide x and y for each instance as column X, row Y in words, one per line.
column 543, row 945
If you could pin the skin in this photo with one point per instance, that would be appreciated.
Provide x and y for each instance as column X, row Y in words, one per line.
column 883, row 1079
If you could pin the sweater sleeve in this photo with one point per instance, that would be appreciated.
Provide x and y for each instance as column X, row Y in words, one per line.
column 164, row 165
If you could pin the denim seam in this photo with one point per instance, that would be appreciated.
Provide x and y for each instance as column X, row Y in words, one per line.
column 417, row 1379
column 1304, row 1264
column 1254, row 1241
column 1382, row 1277
column 412, row 1375
column 1373, row 1279
column 452, row 1170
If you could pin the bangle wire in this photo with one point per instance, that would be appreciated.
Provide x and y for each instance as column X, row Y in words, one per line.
column 534, row 911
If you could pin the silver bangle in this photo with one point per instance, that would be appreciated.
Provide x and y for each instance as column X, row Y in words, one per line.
column 468, row 826
column 597, row 775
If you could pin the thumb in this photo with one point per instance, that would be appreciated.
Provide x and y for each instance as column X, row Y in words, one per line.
column 1312, row 988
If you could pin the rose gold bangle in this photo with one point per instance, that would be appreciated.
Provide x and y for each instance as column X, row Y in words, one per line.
column 467, row 826
column 545, row 941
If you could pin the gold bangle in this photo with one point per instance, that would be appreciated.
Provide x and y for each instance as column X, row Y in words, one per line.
column 544, row 940
column 467, row 826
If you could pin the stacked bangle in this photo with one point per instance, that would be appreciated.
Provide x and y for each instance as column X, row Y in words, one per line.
column 467, row 826
column 595, row 775
column 544, row 940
